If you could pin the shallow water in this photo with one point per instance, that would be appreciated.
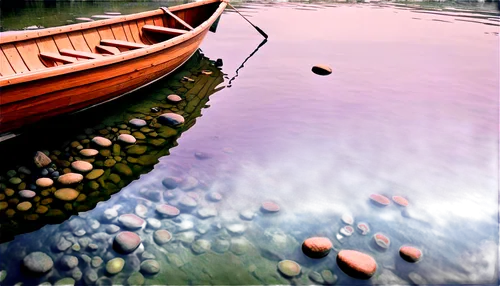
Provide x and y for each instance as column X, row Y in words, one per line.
column 411, row 109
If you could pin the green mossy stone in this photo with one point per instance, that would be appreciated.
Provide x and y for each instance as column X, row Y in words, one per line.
column 166, row 132
column 115, row 265
column 94, row 174
column 137, row 150
column 136, row 279
column 139, row 136
column 116, row 150
column 114, row 178
column 123, row 169
column 65, row 282
column 132, row 160
column 147, row 160
column 157, row 142
column 93, row 185
column 15, row 180
column 109, row 163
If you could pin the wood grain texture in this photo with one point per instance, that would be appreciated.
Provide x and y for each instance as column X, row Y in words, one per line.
column 80, row 54
column 118, row 31
column 14, row 58
column 122, row 44
column 163, row 30
column 58, row 57
column 5, row 68
column 78, row 42
column 92, row 38
column 108, row 50
column 29, row 52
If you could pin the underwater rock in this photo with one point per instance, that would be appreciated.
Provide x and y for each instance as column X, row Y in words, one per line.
column 70, row 178
column 89, row 152
column 66, row 194
column 24, row 206
column 317, row 247
column 316, row 277
column 90, row 276
column 69, row 261
column 153, row 223
column 94, row 174
column 347, row 219
column 135, row 279
column 162, row 236
column 214, row 196
column 206, row 212
column 167, row 210
column 171, row 119
column 381, row 240
column 101, row 141
column 329, row 277
column 400, row 201
column 41, row 160
column 171, row 182
column 82, row 166
column 131, row 221
column 65, row 282
column 347, row 230
column 44, row 182
column 356, row 264
column 150, row 267
column 96, row 261
column 126, row 241
column 410, row 253
column 137, row 150
column 126, row 138
column 363, row 228
column 269, row 207
column 247, row 214
column 221, row 245
column 240, row 246
column 236, row 229
column 136, row 122
column 112, row 228
column 110, row 214
column 289, row 268
column 15, row 180
column 3, row 275
column 189, row 183
column 123, row 169
column 38, row 262
column 115, row 265
column 27, row 194
column 380, row 200
column 321, row 69
column 187, row 202
column 141, row 210
column 200, row 246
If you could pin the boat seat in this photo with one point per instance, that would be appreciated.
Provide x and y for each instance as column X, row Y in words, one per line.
column 163, row 30
column 57, row 57
column 80, row 54
column 108, row 50
column 122, row 44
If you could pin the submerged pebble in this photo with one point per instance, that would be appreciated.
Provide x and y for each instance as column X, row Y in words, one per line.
column 381, row 240
column 162, row 236
column 101, row 141
column 317, row 247
column 70, row 178
column 174, row 98
column 200, row 246
column 269, row 207
column 167, row 210
column 126, row 242
column 356, row 264
column 410, row 253
column 136, row 122
column 171, row 119
column 126, row 138
column 66, row 194
column 289, row 268
column 380, row 200
column 150, row 267
column 44, row 182
column 363, row 228
column 131, row 221
column 400, row 201
column 115, row 265
column 347, row 219
column 38, row 262
column 81, row 166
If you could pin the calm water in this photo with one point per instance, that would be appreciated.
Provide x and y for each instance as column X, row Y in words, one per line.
column 411, row 109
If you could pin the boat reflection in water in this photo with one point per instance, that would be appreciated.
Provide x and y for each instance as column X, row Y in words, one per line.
column 27, row 204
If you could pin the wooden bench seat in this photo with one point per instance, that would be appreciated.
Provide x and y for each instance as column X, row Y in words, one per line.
column 122, row 44
column 108, row 50
column 57, row 57
column 163, row 30
column 80, row 54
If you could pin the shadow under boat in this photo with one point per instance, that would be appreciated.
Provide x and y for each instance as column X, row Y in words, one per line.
column 114, row 167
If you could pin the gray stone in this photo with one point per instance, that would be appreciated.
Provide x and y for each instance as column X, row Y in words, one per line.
column 150, row 267
column 136, row 279
column 80, row 232
column 38, row 262
column 236, row 229
column 77, row 274
column 96, row 261
column 126, row 242
column 153, row 223
column 200, row 246
column 221, row 245
column 187, row 202
column 137, row 122
column 131, row 221
column 147, row 255
column 110, row 214
column 69, row 261
column 90, row 276
column 207, row 212
column 65, row 282
column 141, row 210
column 316, row 277
column 171, row 119
column 329, row 277
column 171, row 182
column 112, row 228
column 63, row 244
column 247, row 214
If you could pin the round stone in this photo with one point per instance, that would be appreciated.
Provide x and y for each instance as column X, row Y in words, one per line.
column 269, row 207
column 153, row 223
column 150, row 267
column 141, row 210
column 380, row 200
column 410, row 253
column 82, row 166
column 215, row 196
column 400, row 201
column 126, row 138
column 70, row 178
column 347, row 219
column 66, row 194
column 381, row 240
column 247, row 214
column 101, row 141
column 347, row 230
column 94, row 174
column 131, row 221
column 27, row 194
column 38, row 262
column 126, row 242
column 112, row 228
column 171, row 182
column 115, row 265
column 89, row 152
column 356, row 264
column 174, row 98
column 317, row 247
column 321, row 69
column 206, row 212
column 187, row 202
column 24, row 206
column 15, row 180
column 69, row 261
column 289, row 268
column 171, row 119
column 200, row 246
column 162, row 236
column 44, row 182
column 135, row 279
column 363, row 228
column 65, row 282
column 136, row 122
column 167, row 210
column 316, row 277
column 329, row 277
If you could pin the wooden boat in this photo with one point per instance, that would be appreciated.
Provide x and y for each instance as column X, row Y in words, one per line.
column 44, row 73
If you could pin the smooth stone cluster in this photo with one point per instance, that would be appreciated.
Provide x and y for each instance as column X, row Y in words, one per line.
column 289, row 268
column 269, row 207
column 321, row 69
column 127, row 138
column 70, row 178
column 126, row 242
column 410, row 253
column 172, row 119
column 356, row 264
column 131, row 221
column 174, row 98
column 38, row 262
column 380, row 200
column 167, row 210
column 317, row 247
column 66, row 194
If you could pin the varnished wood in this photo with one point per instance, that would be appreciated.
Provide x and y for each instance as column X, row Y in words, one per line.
column 44, row 91
column 165, row 9
column 163, row 30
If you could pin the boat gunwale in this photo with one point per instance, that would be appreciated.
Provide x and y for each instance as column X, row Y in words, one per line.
column 122, row 57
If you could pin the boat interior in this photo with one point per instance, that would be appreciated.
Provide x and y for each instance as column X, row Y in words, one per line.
column 76, row 43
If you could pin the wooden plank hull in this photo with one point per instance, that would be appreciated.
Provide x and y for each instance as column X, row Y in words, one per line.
column 44, row 97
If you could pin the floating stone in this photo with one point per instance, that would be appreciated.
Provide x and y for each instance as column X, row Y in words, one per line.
column 69, row 261
column 380, row 200
column 410, row 253
column 81, row 166
column 269, row 207
column 400, row 201
column 381, row 240
column 89, row 152
column 138, row 122
column 162, row 236
column 27, row 194
column 65, row 282
column 289, row 268
column 44, row 182
column 247, row 214
column 66, row 194
column 200, row 246
column 171, row 119
column 41, row 160
column 141, row 210
column 167, row 210
column 131, row 221
column 94, row 174
column 24, row 206
column 70, row 178
column 126, row 242
column 171, row 182
column 126, row 138
column 38, row 262
column 363, row 228
column 174, row 98
column 321, row 69
column 317, row 247
column 356, row 264
column 347, row 219
column 115, row 265
column 101, row 141
column 150, row 267
column 347, row 230
column 135, row 279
